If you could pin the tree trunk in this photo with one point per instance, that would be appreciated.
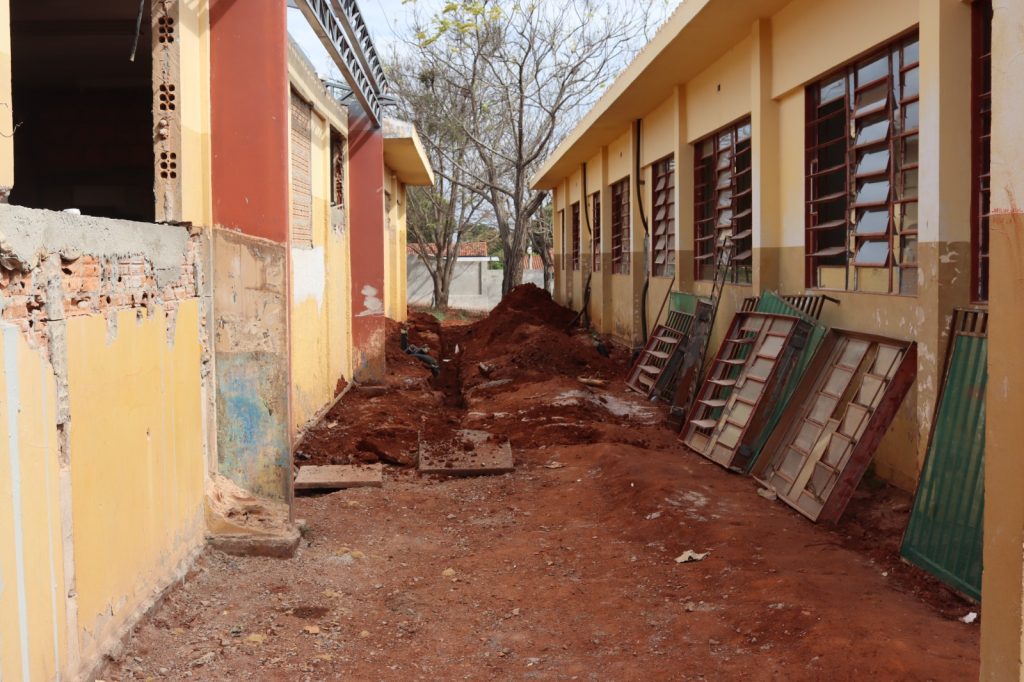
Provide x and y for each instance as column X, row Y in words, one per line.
column 513, row 274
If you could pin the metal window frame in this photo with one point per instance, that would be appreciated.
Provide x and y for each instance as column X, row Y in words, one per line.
column 595, row 217
column 896, row 101
column 620, row 227
column 981, row 133
column 706, row 198
column 663, row 229
column 575, row 249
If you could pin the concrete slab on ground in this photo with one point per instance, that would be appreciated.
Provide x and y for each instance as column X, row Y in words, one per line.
column 338, row 476
column 468, row 453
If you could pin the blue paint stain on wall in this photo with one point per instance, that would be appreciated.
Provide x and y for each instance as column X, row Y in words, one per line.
column 253, row 445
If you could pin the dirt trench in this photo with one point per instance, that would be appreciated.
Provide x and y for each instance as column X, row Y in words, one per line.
column 564, row 569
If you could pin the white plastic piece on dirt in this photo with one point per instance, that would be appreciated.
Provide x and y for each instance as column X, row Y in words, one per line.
column 970, row 617
column 690, row 556
column 613, row 405
column 767, row 493
column 653, row 515
column 554, row 465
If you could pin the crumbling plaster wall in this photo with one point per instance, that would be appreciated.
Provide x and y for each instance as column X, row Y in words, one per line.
column 105, row 372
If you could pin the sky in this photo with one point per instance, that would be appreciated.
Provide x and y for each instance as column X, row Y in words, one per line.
column 388, row 20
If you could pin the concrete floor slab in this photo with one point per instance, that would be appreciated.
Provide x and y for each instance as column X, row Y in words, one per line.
column 339, row 476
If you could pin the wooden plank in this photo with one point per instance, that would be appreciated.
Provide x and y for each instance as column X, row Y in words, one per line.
column 339, row 476
column 468, row 453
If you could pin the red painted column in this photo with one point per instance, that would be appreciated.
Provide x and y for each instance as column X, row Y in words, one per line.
column 249, row 110
column 249, row 116
column 366, row 170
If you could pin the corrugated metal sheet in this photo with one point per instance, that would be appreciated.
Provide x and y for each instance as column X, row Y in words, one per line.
column 770, row 302
column 945, row 532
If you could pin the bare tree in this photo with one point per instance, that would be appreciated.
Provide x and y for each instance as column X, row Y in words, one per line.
column 440, row 216
column 510, row 79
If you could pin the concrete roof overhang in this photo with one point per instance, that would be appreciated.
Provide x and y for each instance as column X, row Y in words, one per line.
column 404, row 154
column 697, row 34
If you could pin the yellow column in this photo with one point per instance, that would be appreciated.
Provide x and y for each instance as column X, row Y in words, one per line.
column 764, row 120
column 1001, row 627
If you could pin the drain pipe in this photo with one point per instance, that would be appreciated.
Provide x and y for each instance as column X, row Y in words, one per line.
column 647, row 234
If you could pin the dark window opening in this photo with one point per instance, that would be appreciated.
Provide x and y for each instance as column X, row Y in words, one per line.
column 862, row 174
column 84, row 109
column 663, row 209
column 576, row 236
column 564, row 259
column 595, row 219
column 981, row 91
column 337, row 169
column 621, row 240
column 723, row 203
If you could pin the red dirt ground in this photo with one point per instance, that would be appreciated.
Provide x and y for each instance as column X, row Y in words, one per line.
column 563, row 569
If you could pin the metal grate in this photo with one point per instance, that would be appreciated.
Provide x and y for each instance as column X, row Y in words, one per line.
column 596, row 238
column 944, row 536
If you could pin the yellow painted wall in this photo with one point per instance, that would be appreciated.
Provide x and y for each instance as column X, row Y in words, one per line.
column 720, row 94
column 395, row 240
column 321, row 336
column 194, row 93
column 810, row 37
column 137, row 464
column 6, row 113
column 763, row 75
column 33, row 636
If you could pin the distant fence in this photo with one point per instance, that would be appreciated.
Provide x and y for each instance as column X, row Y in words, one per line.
column 473, row 287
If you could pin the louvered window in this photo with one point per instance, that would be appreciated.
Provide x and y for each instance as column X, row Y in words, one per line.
column 664, row 222
column 722, row 200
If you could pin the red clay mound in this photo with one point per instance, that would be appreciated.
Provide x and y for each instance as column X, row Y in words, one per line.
column 526, row 337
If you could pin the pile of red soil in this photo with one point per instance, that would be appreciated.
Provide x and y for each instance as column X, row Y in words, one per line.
column 526, row 339
column 529, row 337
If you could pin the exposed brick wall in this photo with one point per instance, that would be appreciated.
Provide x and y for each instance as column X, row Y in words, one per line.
column 93, row 285
column 302, row 184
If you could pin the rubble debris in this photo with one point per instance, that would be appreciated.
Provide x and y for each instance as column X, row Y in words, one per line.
column 689, row 556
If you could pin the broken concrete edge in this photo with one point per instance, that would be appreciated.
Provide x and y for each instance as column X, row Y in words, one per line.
column 282, row 545
column 28, row 233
